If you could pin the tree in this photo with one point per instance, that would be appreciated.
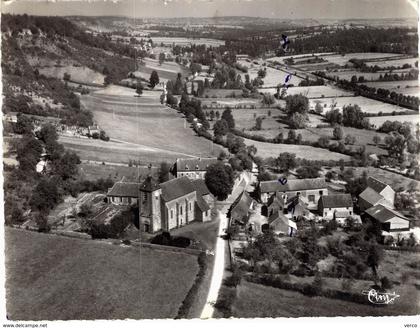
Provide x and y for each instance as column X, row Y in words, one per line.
column 221, row 128
column 323, row 142
column 47, row 134
column 163, row 172
column 298, row 121
column 219, row 179
column 376, row 139
column 217, row 115
column 212, row 115
column 262, row 73
column 139, row 88
column 154, row 79
column 66, row 166
column 395, row 143
column 338, row 132
column 318, row 108
column 23, row 125
column 268, row 99
column 45, row 196
column 258, row 123
column 228, row 117
column 66, row 77
column 195, row 68
column 161, row 58
column 286, row 161
column 296, row 104
column 375, row 255
column 178, row 85
column 349, row 140
column 308, row 172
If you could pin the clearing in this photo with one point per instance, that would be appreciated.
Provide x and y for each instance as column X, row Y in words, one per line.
column 105, row 281
column 78, row 74
column 320, row 91
column 379, row 120
column 410, row 87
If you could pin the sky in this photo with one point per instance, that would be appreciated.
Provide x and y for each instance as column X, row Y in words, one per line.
column 283, row 9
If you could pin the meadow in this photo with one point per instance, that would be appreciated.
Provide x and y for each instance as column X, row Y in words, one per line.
column 319, row 91
column 273, row 76
column 257, row 301
column 105, row 281
column 379, row 120
column 266, row 150
column 94, row 171
column 341, row 60
column 146, row 125
column 405, row 87
column 348, row 74
column 77, row 74
column 367, row 105
column 187, row 41
column 391, row 62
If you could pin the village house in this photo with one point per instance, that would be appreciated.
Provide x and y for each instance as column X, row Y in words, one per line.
column 280, row 224
column 123, row 192
column 310, row 190
column 239, row 212
column 336, row 206
column 193, row 168
column 172, row 204
column 294, row 206
column 390, row 220
column 377, row 192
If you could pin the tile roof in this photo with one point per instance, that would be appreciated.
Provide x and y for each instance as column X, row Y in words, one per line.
column 194, row 164
column 176, row 188
column 337, row 200
column 383, row 213
column 202, row 204
column 375, row 184
column 293, row 185
column 149, row 184
column 240, row 207
column 125, row 189
column 371, row 196
column 200, row 187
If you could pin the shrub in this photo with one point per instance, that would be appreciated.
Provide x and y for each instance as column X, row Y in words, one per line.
column 386, row 283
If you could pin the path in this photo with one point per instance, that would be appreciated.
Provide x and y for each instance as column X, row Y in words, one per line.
column 221, row 244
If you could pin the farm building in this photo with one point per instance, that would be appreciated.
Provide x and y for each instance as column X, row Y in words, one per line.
column 337, row 206
column 376, row 192
column 309, row 189
column 124, row 193
column 294, row 206
column 390, row 220
column 172, row 204
column 194, row 168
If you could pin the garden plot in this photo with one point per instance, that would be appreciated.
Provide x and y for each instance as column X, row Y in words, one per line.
column 369, row 106
column 220, row 103
column 282, row 58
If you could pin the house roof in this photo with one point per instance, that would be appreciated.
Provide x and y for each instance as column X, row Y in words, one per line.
column 337, row 200
column 125, row 189
column 149, row 184
column 240, row 206
column 194, row 164
column 200, row 187
column 202, row 204
column 176, row 188
column 293, row 185
column 375, row 184
column 382, row 213
column 371, row 196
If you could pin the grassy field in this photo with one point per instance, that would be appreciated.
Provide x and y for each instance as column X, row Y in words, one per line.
column 347, row 74
column 117, row 152
column 79, row 74
column 105, row 281
column 395, row 62
column 266, row 149
column 187, row 41
column 367, row 105
column 168, row 70
column 272, row 78
column 342, row 60
column 405, row 87
column 256, row 301
column 222, row 93
column 313, row 91
column 145, row 123
column 379, row 120
column 92, row 171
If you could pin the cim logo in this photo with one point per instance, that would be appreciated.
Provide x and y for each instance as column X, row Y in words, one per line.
column 376, row 297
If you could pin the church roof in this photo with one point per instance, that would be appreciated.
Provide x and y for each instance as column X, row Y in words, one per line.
column 193, row 164
column 176, row 188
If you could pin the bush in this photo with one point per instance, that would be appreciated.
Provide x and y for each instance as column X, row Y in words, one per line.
column 162, row 239
column 386, row 283
column 225, row 301
column 182, row 242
